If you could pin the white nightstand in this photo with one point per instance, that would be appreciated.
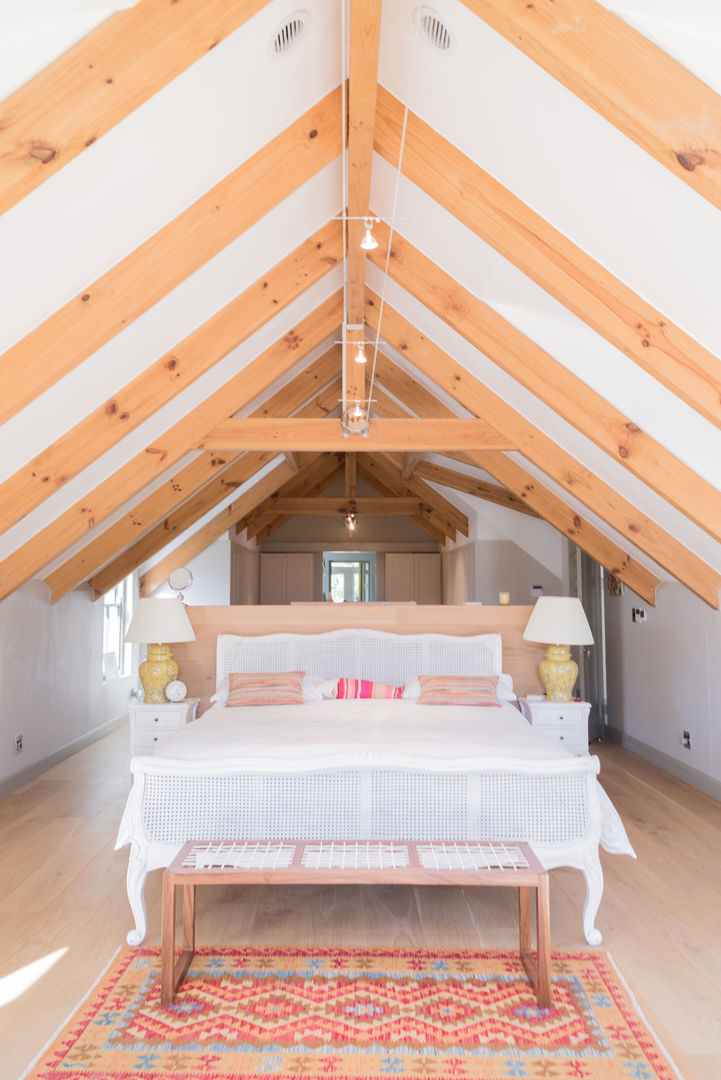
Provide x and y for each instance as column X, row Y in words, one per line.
column 150, row 724
column 566, row 721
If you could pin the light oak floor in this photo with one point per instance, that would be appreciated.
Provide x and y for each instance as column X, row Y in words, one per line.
column 62, row 888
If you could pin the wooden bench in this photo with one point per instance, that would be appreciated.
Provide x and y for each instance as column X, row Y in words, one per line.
column 293, row 862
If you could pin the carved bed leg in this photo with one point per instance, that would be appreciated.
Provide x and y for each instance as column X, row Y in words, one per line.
column 594, row 891
column 135, row 883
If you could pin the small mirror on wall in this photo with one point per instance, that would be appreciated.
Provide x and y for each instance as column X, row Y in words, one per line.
column 180, row 580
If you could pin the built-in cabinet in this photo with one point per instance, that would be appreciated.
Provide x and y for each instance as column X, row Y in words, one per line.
column 413, row 576
column 287, row 577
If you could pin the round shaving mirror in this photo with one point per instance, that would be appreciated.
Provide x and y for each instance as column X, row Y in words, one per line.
column 179, row 580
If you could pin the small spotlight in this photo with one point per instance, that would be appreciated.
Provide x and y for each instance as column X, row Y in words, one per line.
column 351, row 520
column 369, row 242
column 360, row 356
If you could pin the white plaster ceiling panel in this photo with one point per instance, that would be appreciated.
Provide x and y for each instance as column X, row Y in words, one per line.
column 168, row 322
column 576, row 444
column 159, row 160
column 171, row 413
column 111, row 519
column 182, row 537
column 33, row 33
column 479, row 268
column 688, row 30
column 562, row 159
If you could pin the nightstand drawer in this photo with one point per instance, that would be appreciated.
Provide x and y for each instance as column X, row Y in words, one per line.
column 165, row 718
column 147, row 741
column 571, row 739
column 555, row 716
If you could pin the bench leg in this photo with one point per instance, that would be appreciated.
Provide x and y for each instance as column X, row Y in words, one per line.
column 167, row 942
column 538, row 965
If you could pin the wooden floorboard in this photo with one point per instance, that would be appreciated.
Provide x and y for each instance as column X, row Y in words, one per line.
column 62, row 887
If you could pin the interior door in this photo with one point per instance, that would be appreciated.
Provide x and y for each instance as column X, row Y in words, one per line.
column 592, row 659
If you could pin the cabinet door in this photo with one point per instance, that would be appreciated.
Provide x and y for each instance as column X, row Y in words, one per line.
column 299, row 576
column 400, row 578
column 272, row 578
column 427, row 579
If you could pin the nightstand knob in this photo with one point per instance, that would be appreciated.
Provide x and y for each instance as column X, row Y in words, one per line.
column 156, row 719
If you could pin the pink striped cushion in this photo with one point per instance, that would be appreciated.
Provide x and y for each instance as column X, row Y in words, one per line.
column 364, row 688
column 266, row 688
column 458, row 690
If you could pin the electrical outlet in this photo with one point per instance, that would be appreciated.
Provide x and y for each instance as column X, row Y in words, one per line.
column 686, row 740
column 638, row 615
column 18, row 744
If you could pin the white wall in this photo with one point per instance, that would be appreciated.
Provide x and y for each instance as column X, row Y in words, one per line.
column 211, row 576
column 51, row 675
column 663, row 679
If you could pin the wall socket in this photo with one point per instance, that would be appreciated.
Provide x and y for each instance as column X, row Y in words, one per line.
column 638, row 615
column 18, row 744
column 686, row 740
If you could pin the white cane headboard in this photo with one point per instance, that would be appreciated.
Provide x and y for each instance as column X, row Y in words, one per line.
column 361, row 654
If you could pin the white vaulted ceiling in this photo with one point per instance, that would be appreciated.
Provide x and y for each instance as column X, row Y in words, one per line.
column 509, row 116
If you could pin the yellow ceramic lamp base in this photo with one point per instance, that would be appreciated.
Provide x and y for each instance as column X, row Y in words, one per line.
column 156, row 671
column 558, row 673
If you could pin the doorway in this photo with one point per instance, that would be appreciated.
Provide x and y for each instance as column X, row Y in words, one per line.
column 590, row 588
column 349, row 577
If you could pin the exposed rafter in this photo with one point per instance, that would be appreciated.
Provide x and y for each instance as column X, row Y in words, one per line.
column 214, row 529
column 143, row 277
column 590, row 489
column 550, row 381
column 169, row 375
column 636, row 86
column 373, row 469
column 260, row 531
column 564, row 270
column 108, row 74
column 451, row 478
column 319, row 435
column 309, row 481
column 132, row 477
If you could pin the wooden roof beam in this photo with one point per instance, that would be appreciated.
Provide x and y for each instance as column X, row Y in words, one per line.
column 550, row 381
column 214, row 529
column 251, row 434
column 598, row 496
column 554, row 262
column 100, row 80
column 169, row 447
column 349, row 467
column 371, row 468
column 451, row 478
column 303, row 483
column 169, row 375
column 146, row 275
column 339, row 506
column 182, row 518
column 632, row 83
column 261, row 531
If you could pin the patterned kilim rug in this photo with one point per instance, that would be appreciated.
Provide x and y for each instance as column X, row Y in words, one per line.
column 314, row 1013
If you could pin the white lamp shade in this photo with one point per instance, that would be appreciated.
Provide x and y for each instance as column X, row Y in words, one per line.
column 159, row 622
column 558, row 620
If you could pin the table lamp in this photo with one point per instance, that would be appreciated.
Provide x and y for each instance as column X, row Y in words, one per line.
column 153, row 622
column 557, row 619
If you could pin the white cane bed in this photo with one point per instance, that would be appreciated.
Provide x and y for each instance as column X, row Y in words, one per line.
column 367, row 770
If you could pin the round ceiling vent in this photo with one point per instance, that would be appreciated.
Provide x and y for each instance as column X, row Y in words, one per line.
column 433, row 30
column 289, row 33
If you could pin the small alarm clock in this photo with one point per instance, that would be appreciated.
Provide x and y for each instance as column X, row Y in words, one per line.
column 176, row 690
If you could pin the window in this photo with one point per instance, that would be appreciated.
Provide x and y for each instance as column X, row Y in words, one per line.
column 118, row 607
column 349, row 576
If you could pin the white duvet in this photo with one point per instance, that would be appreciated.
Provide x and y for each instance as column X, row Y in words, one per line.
column 371, row 733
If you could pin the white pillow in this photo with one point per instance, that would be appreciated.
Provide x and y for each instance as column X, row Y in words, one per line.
column 504, row 688
column 222, row 690
column 313, row 688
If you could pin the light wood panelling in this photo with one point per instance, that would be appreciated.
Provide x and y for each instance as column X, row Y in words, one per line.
column 108, row 74
column 551, row 382
column 643, row 91
column 459, row 481
column 213, row 530
column 593, row 492
column 169, row 375
column 162, row 502
column 365, row 29
column 524, row 485
column 147, row 274
column 132, row 477
column 319, row 435
column 564, row 270
column 197, row 659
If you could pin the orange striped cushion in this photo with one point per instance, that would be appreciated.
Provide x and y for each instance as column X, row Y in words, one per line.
column 364, row 688
column 266, row 688
column 458, row 690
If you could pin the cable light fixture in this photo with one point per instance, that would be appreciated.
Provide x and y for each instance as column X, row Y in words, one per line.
column 351, row 521
column 369, row 242
column 360, row 356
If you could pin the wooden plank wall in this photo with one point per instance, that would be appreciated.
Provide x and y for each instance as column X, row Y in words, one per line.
column 196, row 659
